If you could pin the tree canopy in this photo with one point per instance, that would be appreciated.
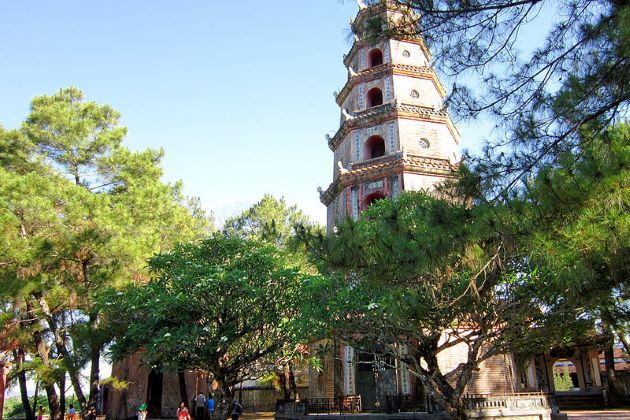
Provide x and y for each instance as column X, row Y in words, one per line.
column 270, row 220
column 545, row 268
column 538, row 96
column 227, row 306
column 79, row 212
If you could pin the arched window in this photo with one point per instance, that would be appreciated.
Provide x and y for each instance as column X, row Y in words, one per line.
column 374, row 147
column 374, row 97
column 370, row 199
column 375, row 57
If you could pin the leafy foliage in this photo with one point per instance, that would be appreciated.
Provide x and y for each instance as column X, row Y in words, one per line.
column 425, row 274
column 270, row 220
column 79, row 212
column 225, row 305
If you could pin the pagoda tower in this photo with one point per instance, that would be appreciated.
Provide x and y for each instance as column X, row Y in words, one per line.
column 395, row 133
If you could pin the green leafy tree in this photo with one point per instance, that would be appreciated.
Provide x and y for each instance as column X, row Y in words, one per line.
column 540, row 270
column 227, row 306
column 80, row 212
column 562, row 380
column 272, row 221
column 425, row 274
column 580, row 230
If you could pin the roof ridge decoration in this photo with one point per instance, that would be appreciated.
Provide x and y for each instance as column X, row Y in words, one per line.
column 375, row 168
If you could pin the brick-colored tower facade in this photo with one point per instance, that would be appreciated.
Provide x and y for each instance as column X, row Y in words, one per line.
column 394, row 134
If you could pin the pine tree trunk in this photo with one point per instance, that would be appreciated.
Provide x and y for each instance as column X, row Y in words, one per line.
column 18, row 356
column 35, row 396
column 49, row 385
column 62, row 393
column 95, row 358
column 60, row 343
column 609, row 358
column 611, row 375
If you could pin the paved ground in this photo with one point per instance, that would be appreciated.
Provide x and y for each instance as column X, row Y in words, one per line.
column 573, row 415
column 600, row 414
column 257, row 416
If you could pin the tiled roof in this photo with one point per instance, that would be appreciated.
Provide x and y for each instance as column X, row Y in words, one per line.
column 382, row 166
column 387, row 111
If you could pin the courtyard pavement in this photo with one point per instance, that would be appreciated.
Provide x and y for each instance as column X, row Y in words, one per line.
column 258, row 416
column 573, row 415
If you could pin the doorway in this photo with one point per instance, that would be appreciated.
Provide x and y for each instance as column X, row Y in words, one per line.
column 154, row 393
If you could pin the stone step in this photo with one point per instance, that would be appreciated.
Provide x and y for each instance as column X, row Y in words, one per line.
column 573, row 402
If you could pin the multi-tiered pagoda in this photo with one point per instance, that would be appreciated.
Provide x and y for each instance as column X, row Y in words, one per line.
column 395, row 134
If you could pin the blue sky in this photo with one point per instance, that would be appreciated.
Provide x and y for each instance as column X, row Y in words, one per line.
column 239, row 94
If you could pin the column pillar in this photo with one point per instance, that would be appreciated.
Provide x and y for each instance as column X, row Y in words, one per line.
column 349, row 385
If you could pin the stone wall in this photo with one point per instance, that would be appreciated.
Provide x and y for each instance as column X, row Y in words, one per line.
column 123, row 404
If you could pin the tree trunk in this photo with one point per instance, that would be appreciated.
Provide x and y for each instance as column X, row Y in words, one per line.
column 183, row 391
column 3, row 386
column 35, row 396
column 62, row 393
column 60, row 343
column 611, row 375
column 225, row 398
column 49, row 385
column 18, row 356
column 282, row 377
column 95, row 358
column 292, row 383
column 447, row 396
column 609, row 358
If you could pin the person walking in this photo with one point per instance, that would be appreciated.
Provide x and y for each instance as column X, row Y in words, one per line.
column 200, row 405
column 237, row 410
column 211, row 404
column 182, row 412
column 72, row 413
